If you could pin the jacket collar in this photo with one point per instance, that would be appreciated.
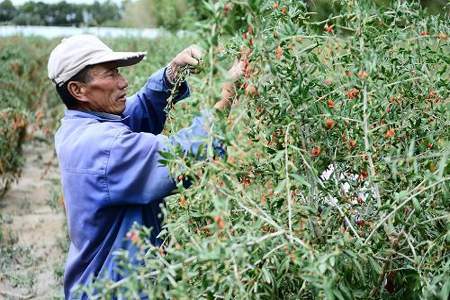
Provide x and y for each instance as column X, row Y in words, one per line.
column 100, row 116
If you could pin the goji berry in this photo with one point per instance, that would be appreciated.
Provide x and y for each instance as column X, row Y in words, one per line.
column 330, row 103
column 329, row 123
column 315, row 151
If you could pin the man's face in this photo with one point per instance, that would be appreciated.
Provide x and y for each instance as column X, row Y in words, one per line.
column 106, row 91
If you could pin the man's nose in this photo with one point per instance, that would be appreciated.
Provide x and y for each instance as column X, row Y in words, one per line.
column 123, row 82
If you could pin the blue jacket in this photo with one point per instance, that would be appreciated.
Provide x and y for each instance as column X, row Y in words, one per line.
column 111, row 176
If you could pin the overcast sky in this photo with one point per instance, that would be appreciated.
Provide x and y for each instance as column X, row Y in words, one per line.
column 19, row 2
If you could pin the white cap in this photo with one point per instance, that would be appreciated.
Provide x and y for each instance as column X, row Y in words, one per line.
column 76, row 52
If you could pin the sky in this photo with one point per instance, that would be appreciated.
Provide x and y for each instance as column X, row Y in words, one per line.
column 19, row 2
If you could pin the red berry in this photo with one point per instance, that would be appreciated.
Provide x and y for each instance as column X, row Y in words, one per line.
column 330, row 103
column 390, row 133
column 315, row 151
column 329, row 28
column 329, row 123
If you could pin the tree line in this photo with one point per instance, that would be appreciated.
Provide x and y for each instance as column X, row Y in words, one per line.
column 60, row 14
column 170, row 14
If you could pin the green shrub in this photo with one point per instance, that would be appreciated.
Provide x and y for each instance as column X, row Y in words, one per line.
column 365, row 92
column 25, row 91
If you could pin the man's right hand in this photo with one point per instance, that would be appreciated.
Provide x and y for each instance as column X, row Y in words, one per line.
column 228, row 87
column 191, row 56
column 236, row 71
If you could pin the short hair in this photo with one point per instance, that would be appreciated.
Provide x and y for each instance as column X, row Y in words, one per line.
column 63, row 92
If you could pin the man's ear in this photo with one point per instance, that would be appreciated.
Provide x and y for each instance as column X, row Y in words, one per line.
column 77, row 90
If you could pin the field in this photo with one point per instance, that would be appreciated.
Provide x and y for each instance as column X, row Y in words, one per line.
column 336, row 180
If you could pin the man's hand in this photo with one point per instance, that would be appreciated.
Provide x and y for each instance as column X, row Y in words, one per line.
column 229, row 88
column 190, row 57
column 236, row 71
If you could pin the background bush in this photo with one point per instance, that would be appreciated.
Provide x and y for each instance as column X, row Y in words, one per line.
column 26, row 98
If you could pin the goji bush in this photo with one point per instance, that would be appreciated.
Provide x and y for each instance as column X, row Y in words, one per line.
column 335, row 182
column 26, row 96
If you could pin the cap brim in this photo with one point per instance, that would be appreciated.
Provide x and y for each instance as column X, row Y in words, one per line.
column 123, row 59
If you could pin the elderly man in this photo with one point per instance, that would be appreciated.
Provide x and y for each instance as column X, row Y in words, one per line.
column 108, row 149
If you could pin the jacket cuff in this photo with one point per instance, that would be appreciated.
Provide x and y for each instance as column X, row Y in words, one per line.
column 159, row 83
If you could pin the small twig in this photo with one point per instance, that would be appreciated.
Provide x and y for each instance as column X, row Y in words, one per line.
column 447, row 216
column 288, row 187
column 330, row 19
column 267, row 236
column 367, row 146
column 411, row 246
column 401, row 81
column 183, row 73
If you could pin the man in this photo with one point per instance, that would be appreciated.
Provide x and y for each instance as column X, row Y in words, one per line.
column 108, row 149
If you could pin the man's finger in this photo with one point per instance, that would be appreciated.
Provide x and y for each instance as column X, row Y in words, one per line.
column 191, row 60
column 196, row 52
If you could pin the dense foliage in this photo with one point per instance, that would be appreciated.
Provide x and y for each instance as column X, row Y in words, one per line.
column 365, row 99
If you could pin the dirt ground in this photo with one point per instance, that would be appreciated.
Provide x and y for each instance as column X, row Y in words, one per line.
column 32, row 220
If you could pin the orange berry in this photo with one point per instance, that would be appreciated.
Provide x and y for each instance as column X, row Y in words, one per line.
column 227, row 8
column 315, row 151
column 219, row 221
column 279, row 52
column 182, row 201
column 284, row 10
column 352, row 93
column 276, row 5
column 330, row 103
column 329, row 123
column 362, row 75
column 133, row 236
column 363, row 175
column 329, row 28
column 352, row 143
column 263, row 200
column 246, row 181
column 390, row 133
column 251, row 90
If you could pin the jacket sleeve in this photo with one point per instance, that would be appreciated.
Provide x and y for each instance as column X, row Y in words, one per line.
column 146, row 109
column 134, row 174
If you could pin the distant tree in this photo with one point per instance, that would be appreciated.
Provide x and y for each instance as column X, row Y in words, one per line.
column 7, row 11
column 24, row 18
column 104, row 12
column 60, row 14
column 169, row 14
